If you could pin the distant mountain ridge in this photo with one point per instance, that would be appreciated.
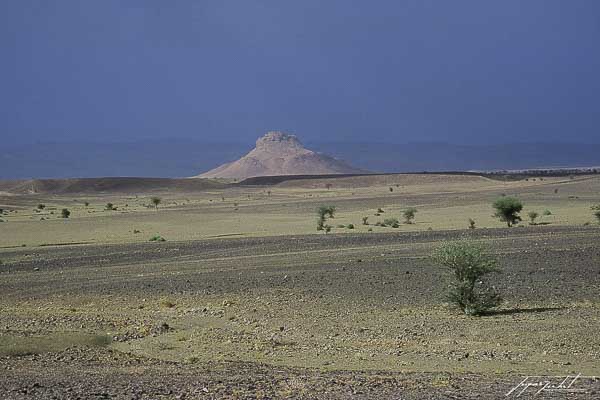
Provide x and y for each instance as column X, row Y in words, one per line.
column 182, row 157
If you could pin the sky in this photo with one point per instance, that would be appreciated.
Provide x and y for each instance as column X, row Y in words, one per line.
column 378, row 71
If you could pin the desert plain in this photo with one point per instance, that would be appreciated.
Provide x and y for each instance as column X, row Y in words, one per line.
column 239, row 296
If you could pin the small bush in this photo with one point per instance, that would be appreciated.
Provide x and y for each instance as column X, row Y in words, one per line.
column 65, row 213
column 409, row 215
column 41, row 206
column 471, row 223
column 365, row 220
column 157, row 238
column 110, row 206
column 469, row 263
column 532, row 217
column 380, row 211
column 87, row 203
column 341, row 226
column 547, row 212
column 155, row 201
column 392, row 222
column 508, row 209
column 350, row 226
column 323, row 213
column 391, row 189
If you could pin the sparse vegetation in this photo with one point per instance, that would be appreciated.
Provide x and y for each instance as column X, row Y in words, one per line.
column 508, row 209
column 65, row 213
column 323, row 213
column 110, row 207
column 41, row 206
column 350, row 226
column 391, row 222
column 472, row 223
column 157, row 238
column 87, row 203
column 365, row 220
column 380, row 210
column 532, row 217
column 409, row 215
column 596, row 210
column 155, row 201
column 469, row 264
column 547, row 212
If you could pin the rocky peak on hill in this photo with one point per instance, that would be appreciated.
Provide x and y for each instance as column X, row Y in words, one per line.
column 279, row 153
column 276, row 139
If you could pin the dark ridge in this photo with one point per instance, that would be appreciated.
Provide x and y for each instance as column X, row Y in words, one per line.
column 497, row 175
column 108, row 185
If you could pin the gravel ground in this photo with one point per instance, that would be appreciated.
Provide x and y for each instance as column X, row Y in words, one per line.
column 337, row 294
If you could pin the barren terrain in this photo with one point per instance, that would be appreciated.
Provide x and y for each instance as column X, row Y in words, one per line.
column 245, row 299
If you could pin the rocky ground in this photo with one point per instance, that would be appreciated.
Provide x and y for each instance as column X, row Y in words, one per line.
column 336, row 316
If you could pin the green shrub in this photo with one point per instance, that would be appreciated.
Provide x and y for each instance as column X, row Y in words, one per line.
column 532, row 217
column 508, row 209
column 323, row 213
column 392, row 222
column 547, row 212
column 155, row 201
column 65, row 213
column 41, row 206
column 365, row 220
column 350, row 226
column 409, row 215
column 380, row 210
column 469, row 263
column 157, row 238
column 471, row 223
column 110, row 206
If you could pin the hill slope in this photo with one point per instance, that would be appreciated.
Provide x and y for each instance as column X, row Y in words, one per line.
column 107, row 185
column 278, row 153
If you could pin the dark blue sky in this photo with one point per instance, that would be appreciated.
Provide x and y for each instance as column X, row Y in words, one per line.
column 392, row 71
